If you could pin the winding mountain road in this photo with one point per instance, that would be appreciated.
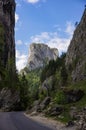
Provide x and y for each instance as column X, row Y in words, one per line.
column 18, row 121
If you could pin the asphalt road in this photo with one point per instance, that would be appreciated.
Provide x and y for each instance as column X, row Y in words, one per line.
column 18, row 121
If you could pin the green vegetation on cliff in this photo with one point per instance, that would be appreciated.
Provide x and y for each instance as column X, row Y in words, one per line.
column 6, row 72
column 54, row 81
column 33, row 78
column 1, row 53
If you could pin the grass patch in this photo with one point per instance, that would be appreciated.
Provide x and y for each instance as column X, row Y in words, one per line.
column 65, row 116
column 79, row 85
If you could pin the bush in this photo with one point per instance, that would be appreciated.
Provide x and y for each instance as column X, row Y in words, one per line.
column 24, row 93
column 60, row 97
column 52, row 67
column 64, row 75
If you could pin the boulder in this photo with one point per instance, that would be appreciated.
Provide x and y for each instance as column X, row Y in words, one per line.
column 45, row 103
column 35, row 107
column 73, row 112
column 9, row 100
column 40, row 106
column 47, row 85
column 55, row 110
column 81, row 120
column 73, row 95
column 70, row 124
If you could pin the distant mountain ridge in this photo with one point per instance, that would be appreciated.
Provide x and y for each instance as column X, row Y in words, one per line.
column 40, row 54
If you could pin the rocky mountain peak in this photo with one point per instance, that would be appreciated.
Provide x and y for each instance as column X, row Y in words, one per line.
column 40, row 54
column 76, row 54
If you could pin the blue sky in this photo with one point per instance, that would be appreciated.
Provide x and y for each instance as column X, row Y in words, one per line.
column 45, row 21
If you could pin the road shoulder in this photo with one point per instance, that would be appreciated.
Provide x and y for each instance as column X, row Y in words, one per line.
column 55, row 125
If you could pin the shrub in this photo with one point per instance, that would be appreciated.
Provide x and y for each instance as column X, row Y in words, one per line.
column 60, row 97
column 64, row 75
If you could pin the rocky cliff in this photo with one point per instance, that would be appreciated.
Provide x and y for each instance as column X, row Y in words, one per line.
column 40, row 54
column 76, row 55
column 7, row 42
column 7, row 55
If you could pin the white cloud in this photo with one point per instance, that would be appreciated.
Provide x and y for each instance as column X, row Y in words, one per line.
column 60, row 43
column 33, row 1
column 16, row 18
column 18, row 3
column 57, row 27
column 21, row 60
column 42, row 38
column 19, row 42
column 53, row 40
column 69, row 28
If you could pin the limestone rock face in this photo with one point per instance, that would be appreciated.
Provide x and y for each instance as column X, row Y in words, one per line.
column 40, row 54
column 7, row 54
column 76, row 55
column 7, row 21
column 8, row 100
column 73, row 95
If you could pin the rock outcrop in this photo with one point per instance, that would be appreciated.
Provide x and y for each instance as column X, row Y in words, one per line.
column 73, row 95
column 7, row 42
column 81, row 120
column 40, row 54
column 76, row 55
column 9, row 100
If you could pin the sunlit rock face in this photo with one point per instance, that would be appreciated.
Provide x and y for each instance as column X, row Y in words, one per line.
column 7, row 22
column 40, row 54
column 76, row 55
